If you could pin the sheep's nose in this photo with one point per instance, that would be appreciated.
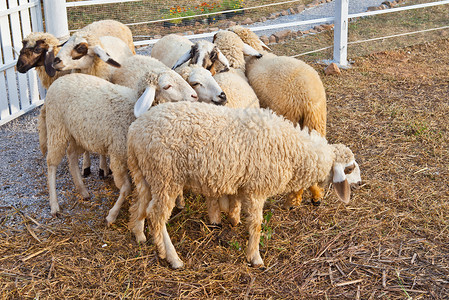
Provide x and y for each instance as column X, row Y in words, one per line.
column 20, row 67
column 56, row 61
column 222, row 98
column 195, row 97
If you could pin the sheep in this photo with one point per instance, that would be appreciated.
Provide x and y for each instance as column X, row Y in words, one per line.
column 92, row 55
column 39, row 50
column 174, row 50
column 289, row 87
column 249, row 153
column 112, row 28
column 92, row 52
column 91, row 114
column 199, row 78
column 239, row 93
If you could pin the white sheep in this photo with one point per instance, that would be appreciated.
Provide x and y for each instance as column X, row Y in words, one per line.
column 215, row 151
column 288, row 86
column 88, row 113
column 200, row 79
column 171, row 47
column 234, row 82
column 174, row 51
column 39, row 50
column 98, row 56
column 90, row 51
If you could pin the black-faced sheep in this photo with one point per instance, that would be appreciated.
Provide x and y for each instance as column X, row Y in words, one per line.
column 174, row 51
column 215, row 151
column 88, row 113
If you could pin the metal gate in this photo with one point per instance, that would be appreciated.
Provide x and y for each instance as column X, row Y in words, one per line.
column 19, row 93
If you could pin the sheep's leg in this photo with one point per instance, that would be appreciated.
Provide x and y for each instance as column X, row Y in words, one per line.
column 86, row 164
column 103, row 171
column 317, row 194
column 213, row 210
column 172, row 256
column 293, row 199
column 137, row 211
column 56, row 151
column 73, row 152
column 122, row 182
column 158, row 213
column 235, row 206
column 255, row 217
column 180, row 203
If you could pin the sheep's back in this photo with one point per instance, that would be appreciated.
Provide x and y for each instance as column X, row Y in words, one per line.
column 239, row 93
column 289, row 87
column 97, row 115
column 215, row 150
column 170, row 48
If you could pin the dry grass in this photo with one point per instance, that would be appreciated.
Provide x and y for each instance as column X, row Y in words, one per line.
column 390, row 242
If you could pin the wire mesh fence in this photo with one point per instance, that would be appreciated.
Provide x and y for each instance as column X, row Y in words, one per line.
column 149, row 18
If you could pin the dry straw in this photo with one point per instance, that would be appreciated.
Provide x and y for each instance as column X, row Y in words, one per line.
column 390, row 242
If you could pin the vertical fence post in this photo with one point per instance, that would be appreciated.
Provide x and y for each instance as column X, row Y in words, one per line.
column 341, row 33
column 56, row 18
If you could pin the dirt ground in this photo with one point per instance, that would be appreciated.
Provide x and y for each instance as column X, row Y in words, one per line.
column 390, row 242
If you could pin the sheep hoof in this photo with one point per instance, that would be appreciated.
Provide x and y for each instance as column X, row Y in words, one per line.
column 316, row 202
column 110, row 220
column 177, row 264
column 86, row 172
column 56, row 214
column 140, row 237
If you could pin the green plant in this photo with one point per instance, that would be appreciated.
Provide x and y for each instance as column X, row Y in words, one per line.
column 267, row 231
column 233, row 4
column 235, row 245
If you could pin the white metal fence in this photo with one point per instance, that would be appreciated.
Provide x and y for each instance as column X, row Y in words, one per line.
column 19, row 93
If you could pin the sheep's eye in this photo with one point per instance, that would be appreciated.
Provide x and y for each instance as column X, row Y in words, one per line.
column 81, row 48
column 195, row 84
column 167, row 87
column 348, row 170
column 37, row 50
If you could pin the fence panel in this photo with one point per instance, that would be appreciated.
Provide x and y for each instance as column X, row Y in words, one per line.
column 19, row 93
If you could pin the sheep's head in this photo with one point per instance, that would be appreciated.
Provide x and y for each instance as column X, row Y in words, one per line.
column 249, row 37
column 234, row 48
column 165, row 86
column 38, row 50
column 79, row 53
column 204, row 84
column 205, row 54
column 345, row 172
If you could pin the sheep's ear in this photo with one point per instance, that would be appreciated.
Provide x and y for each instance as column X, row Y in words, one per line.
column 104, row 56
column 145, row 101
column 223, row 59
column 250, row 51
column 264, row 46
column 340, row 183
column 49, row 58
column 184, row 58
